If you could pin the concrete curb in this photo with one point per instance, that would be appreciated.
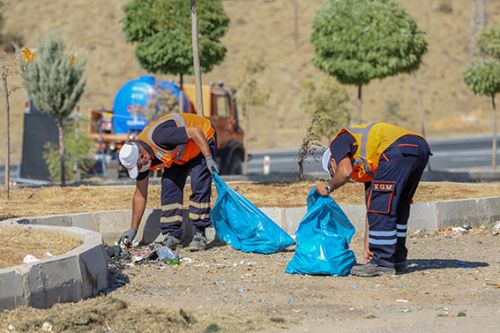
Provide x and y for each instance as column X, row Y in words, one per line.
column 425, row 216
column 77, row 274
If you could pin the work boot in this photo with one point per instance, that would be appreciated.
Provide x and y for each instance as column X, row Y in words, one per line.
column 199, row 243
column 371, row 269
column 171, row 241
column 401, row 267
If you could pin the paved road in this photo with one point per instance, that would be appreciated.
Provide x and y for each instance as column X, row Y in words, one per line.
column 454, row 154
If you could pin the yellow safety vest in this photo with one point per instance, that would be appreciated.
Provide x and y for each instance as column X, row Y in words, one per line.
column 181, row 153
column 372, row 140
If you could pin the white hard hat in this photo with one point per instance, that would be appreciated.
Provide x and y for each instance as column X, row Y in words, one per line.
column 129, row 155
column 325, row 160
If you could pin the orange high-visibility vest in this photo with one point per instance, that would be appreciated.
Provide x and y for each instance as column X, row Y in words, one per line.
column 372, row 140
column 181, row 153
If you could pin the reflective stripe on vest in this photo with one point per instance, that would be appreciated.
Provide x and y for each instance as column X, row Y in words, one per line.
column 178, row 149
column 362, row 149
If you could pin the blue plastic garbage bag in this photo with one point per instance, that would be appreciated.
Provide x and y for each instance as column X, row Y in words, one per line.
column 242, row 225
column 323, row 239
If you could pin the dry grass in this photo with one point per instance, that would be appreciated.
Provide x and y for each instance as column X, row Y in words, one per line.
column 18, row 242
column 56, row 200
column 265, row 28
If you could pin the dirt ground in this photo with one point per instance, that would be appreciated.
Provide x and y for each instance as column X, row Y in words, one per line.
column 57, row 200
column 453, row 286
column 17, row 242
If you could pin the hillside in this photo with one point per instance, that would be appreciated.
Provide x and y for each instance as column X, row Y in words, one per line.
column 264, row 28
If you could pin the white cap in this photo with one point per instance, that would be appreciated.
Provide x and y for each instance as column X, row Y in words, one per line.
column 326, row 159
column 129, row 155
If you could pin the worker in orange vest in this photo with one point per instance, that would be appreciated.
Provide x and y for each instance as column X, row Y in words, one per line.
column 181, row 144
column 390, row 161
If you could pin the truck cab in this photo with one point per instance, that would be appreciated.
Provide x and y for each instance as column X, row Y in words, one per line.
column 219, row 104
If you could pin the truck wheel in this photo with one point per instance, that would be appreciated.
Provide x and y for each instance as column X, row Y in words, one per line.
column 236, row 166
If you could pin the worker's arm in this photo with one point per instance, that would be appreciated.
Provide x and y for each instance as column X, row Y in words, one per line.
column 138, row 206
column 139, row 201
column 198, row 137
column 341, row 176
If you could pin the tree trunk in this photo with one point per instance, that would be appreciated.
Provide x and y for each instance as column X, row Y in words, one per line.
column 181, row 93
column 7, row 132
column 196, row 59
column 360, row 104
column 494, row 149
column 61, row 153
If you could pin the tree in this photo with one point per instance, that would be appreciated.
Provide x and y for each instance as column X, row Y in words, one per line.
column 327, row 105
column 53, row 78
column 162, row 31
column 358, row 41
column 483, row 76
column 78, row 148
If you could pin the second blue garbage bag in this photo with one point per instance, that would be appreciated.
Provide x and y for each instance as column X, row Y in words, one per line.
column 323, row 239
column 242, row 225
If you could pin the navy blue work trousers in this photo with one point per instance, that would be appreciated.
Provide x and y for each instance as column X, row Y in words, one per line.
column 389, row 195
column 172, row 194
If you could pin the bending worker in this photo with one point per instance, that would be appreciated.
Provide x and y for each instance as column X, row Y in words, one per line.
column 390, row 161
column 181, row 144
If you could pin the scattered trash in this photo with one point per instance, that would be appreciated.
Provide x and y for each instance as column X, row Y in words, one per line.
column 11, row 327
column 29, row 259
column 461, row 314
column 242, row 289
column 354, row 286
column 186, row 261
column 135, row 243
column 137, row 258
column 370, row 317
column 114, row 251
column 49, row 255
column 405, row 310
column 296, row 310
column 351, row 309
column 47, row 327
column 402, row 301
column 494, row 285
column 168, row 256
column 459, row 229
column 497, row 225
column 291, row 299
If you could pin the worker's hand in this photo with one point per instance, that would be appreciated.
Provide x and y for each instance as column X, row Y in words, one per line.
column 211, row 165
column 128, row 236
column 323, row 189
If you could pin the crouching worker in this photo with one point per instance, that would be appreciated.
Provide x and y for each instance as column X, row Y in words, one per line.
column 390, row 161
column 180, row 144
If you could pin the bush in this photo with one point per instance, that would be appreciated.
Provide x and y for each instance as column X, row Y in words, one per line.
column 445, row 7
column 78, row 152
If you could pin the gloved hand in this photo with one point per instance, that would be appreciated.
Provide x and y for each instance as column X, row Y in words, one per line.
column 211, row 165
column 128, row 236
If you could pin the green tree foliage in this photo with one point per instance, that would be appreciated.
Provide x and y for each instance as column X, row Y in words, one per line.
column 489, row 42
column 162, row 31
column 78, row 149
column 327, row 105
column 483, row 76
column 358, row 41
column 54, row 80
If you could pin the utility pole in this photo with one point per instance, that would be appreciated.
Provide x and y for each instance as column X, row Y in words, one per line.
column 196, row 59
